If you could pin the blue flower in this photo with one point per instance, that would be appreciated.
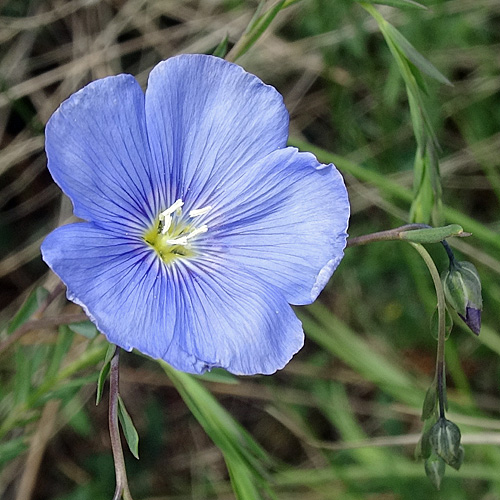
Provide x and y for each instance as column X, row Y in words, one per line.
column 201, row 226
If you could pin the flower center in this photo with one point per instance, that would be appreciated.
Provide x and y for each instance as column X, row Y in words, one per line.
column 173, row 234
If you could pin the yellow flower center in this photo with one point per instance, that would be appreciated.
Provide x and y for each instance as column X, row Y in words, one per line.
column 173, row 234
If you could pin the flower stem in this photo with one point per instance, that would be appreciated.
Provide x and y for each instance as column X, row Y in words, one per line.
column 388, row 235
column 398, row 234
column 441, row 306
column 122, row 489
column 449, row 251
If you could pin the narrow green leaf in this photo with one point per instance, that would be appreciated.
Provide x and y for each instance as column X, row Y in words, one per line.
column 255, row 29
column 128, row 427
column 419, row 78
column 243, row 455
column 22, row 382
column 32, row 303
column 420, row 118
column 103, row 374
column 430, row 402
column 13, row 448
column 77, row 417
column 221, row 49
column 255, row 18
column 423, row 448
column 402, row 4
column 66, row 389
column 220, row 376
column 432, row 235
column 85, row 328
column 414, row 56
column 64, row 341
column 243, row 483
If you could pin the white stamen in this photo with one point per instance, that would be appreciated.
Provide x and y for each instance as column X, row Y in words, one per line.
column 200, row 211
column 166, row 223
column 171, row 209
column 181, row 240
column 166, row 219
column 165, row 216
column 184, row 240
column 197, row 231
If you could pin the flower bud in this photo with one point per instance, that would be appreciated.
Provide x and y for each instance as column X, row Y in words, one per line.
column 462, row 288
column 435, row 468
column 444, row 438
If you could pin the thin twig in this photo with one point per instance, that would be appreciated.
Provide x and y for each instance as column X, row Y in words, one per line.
column 478, row 438
column 37, row 449
column 39, row 324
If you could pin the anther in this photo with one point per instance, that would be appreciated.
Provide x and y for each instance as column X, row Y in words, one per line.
column 181, row 240
column 197, row 231
column 200, row 211
column 184, row 240
column 166, row 218
column 171, row 209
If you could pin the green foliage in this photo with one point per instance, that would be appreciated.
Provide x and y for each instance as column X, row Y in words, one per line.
column 12, row 449
column 402, row 4
column 129, row 430
column 85, row 328
column 427, row 202
column 103, row 374
column 33, row 302
column 256, row 28
column 221, row 49
column 432, row 235
column 245, row 459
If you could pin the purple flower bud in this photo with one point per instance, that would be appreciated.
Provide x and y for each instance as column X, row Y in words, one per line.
column 472, row 319
column 462, row 288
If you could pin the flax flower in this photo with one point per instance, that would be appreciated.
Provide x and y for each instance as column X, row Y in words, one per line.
column 200, row 226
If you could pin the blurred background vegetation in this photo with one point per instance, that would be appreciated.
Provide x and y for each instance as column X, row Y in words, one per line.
column 342, row 420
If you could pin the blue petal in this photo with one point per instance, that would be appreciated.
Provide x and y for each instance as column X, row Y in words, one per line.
column 232, row 320
column 114, row 279
column 98, row 153
column 285, row 221
column 208, row 118
column 195, row 316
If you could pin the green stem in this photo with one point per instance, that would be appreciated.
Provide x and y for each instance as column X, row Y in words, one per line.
column 122, row 488
column 388, row 235
column 441, row 306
